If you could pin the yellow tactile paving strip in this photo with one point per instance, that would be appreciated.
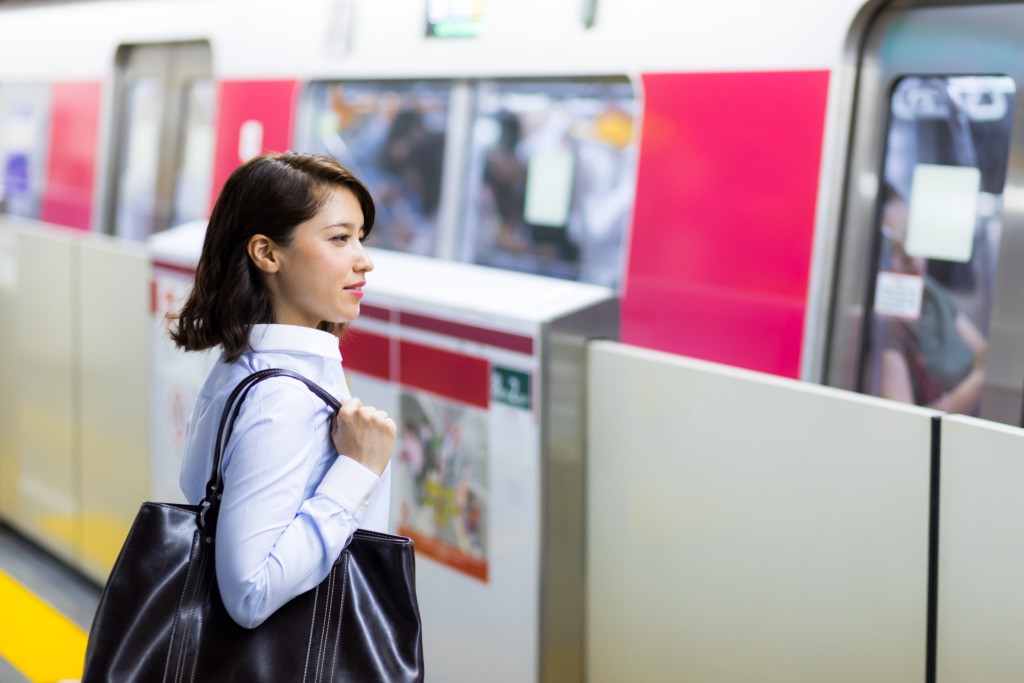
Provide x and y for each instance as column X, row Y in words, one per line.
column 36, row 639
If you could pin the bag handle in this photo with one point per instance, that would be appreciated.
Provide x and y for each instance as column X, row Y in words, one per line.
column 210, row 503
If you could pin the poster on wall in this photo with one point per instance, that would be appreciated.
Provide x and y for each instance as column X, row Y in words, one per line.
column 441, row 481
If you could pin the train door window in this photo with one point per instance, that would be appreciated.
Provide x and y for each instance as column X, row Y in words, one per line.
column 551, row 184
column 136, row 188
column 924, row 297
column 24, row 138
column 163, row 157
column 938, row 235
column 195, row 168
column 393, row 137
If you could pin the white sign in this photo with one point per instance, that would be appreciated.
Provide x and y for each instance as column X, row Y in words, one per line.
column 250, row 140
column 549, row 188
column 899, row 295
column 943, row 209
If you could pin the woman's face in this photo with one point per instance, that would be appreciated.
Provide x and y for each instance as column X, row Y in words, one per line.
column 322, row 272
column 894, row 222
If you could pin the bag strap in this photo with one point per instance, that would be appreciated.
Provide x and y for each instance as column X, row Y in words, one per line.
column 210, row 503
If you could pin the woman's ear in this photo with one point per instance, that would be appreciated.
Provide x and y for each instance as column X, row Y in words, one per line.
column 262, row 251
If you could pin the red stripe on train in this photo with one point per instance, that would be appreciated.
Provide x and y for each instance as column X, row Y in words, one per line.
column 269, row 105
column 71, row 162
column 484, row 335
column 367, row 353
column 453, row 375
column 727, row 187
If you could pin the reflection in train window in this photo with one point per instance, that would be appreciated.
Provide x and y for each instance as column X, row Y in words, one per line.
column 938, row 236
column 392, row 136
column 24, row 113
column 551, row 178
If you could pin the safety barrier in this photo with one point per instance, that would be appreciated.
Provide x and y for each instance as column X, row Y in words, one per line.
column 74, row 380
column 743, row 527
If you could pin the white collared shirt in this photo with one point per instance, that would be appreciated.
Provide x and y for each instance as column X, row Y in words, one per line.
column 290, row 501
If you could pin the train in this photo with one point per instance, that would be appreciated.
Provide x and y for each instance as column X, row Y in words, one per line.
column 821, row 192
column 704, row 131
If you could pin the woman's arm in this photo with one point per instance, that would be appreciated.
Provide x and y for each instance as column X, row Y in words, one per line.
column 973, row 337
column 895, row 381
column 964, row 397
column 276, row 538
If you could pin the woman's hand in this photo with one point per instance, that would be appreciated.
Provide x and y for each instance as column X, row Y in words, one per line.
column 365, row 434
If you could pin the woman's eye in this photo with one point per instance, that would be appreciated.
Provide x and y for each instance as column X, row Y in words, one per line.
column 340, row 238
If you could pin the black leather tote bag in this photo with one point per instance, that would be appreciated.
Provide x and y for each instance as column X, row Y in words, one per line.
column 161, row 618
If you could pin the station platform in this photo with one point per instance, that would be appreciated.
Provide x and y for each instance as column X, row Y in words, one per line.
column 46, row 609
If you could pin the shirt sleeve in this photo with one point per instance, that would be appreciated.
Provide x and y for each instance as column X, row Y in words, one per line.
column 275, row 540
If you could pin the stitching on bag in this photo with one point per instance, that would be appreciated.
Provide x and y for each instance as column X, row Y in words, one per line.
column 179, row 670
column 309, row 641
column 327, row 625
column 341, row 612
column 181, row 599
column 199, row 628
column 377, row 537
column 187, row 636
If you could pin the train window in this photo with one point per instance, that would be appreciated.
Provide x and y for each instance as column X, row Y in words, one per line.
column 136, row 188
column 24, row 113
column 392, row 136
column 195, row 165
column 940, row 222
column 163, row 161
column 552, row 178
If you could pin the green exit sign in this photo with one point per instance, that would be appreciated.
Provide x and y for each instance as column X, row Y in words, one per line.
column 511, row 387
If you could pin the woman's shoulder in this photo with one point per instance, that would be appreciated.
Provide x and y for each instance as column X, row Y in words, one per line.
column 277, row 391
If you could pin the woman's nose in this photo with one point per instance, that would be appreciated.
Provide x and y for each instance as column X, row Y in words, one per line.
column 364, row 263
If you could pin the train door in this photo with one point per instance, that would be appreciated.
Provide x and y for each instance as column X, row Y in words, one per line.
column 927, row 304
column 162, row 163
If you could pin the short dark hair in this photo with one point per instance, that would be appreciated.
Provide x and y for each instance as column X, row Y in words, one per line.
column 268, row 195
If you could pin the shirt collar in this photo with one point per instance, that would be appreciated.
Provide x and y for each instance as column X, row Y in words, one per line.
column 294, row 339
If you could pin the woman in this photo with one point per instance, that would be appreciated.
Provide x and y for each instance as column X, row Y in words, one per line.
column 281, row 272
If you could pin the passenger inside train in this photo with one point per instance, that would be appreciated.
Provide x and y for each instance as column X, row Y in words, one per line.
column 937, row 359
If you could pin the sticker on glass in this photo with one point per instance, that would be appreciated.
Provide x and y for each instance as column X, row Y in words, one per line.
column 943, row 211
column 899, row 295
